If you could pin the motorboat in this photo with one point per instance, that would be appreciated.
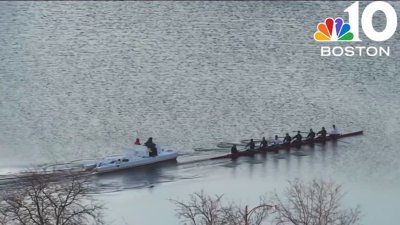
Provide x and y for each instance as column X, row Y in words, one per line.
column 133, row 157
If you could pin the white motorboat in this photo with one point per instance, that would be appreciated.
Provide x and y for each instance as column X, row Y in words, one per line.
column 133, row 157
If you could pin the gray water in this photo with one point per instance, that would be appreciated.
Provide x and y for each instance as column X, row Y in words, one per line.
column 81, row 80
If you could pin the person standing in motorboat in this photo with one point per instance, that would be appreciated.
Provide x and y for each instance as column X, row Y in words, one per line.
column 151, row 146
column 149, row 142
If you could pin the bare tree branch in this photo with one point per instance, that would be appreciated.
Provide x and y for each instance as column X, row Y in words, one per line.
column 314, row 203
column 202, row 209
column 43, row 198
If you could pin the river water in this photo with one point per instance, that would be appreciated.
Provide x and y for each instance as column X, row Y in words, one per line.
column 81, row 80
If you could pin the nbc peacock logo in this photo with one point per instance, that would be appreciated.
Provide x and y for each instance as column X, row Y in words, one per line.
column 336, row 31
column 333, row 30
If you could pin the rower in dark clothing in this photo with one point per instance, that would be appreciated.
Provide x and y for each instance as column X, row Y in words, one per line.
column 152, row 147
column 287, row 139
column 234, row 149
column 311, row 135
column 251, row 144
column 322, row 133
column 297, row 138
column 149, row 142
column 263, row 144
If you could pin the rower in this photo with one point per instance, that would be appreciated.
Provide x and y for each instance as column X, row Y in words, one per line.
column 334, row 131
column 251, row 144
column 322, row 133
column 151, row 146
column 263, row 144
column 297, row 138
column 277, row 141
column 234, row 149
column 311, row 135
column 287, row 139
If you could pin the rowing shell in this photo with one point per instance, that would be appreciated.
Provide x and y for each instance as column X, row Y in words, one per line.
column 286, row 146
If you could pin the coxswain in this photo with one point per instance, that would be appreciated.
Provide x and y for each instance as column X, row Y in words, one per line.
column 251, row 144
column 234, row 149
column 311, row 135
column 334, row 131
column 297, row 138
column 277, row 141
column 287, row 139
column 137, row 141
column 322, row 133
column 263, row 144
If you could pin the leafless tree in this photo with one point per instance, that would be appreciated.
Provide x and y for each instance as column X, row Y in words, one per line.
column 202, row 209
column 314, row 203
column 42, row 198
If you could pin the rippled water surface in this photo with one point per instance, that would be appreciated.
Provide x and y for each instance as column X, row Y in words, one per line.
column 79, row 80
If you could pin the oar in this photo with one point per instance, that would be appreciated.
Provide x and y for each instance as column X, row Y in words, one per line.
column 228, row 144
column 304, row 132
column 242, row 150
column 246, row 141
